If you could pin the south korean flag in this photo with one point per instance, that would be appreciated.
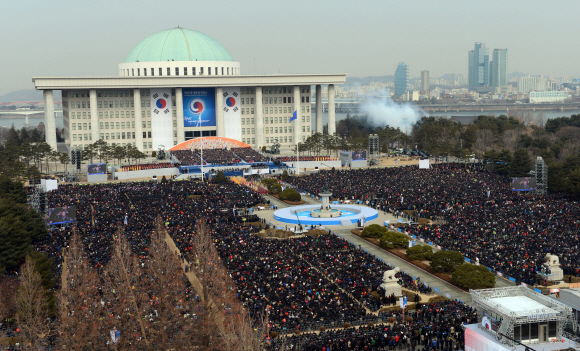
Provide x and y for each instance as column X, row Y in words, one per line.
column 161, row 102
column 232, row 102
column 161, row 119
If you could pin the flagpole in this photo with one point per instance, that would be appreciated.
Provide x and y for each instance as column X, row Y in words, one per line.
column 201, row 143
column 297, row 160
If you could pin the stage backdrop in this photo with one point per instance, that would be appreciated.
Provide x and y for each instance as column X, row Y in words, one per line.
column 161, row 118
column 199, row 107
column 232, row 113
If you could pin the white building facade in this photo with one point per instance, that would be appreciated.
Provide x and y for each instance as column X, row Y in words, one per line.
column 179, row 84
column 527, row 84
column 548, row 96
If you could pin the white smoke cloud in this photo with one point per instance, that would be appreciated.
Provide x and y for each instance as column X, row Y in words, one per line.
column 383, row 111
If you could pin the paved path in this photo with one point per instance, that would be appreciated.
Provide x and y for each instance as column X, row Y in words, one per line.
column 345, row 232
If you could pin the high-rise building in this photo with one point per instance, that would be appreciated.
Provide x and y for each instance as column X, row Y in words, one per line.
column 425, row 82
column 401, row 79
column 498, row 68
column 527, row 84
column 478, row 67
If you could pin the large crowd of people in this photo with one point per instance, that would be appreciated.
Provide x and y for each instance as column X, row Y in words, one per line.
column 482, row 217
column 435, row 326
column 187, row 157
column 302, row 283
column 249, row 155
column 210, row 156
column 219, row 156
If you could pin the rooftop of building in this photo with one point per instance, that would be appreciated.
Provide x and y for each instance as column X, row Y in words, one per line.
column 178, row 44
column 521, row 304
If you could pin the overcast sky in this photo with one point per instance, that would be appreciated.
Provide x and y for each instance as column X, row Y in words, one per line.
column 361, row 38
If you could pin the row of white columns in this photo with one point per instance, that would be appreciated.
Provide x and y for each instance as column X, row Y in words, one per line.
column 50, row 121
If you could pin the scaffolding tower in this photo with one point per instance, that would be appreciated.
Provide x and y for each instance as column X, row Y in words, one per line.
column 541, row 176
column 374, row 149
column 37, row 198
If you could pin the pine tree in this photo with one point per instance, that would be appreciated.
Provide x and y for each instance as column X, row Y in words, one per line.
column 13, row 139
column 521, row 164
column 12, row 189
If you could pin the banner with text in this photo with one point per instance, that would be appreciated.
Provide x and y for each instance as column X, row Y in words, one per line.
column 199, row 107
column 161, row 118
column 232, row 113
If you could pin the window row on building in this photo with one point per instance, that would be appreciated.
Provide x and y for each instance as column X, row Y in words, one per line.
column 272, row 140
column 195, row 71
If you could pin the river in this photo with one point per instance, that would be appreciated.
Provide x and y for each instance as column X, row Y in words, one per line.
column 19, row 122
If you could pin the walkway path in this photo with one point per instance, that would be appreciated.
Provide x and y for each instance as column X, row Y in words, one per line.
column 196, row 283
column 345, row 232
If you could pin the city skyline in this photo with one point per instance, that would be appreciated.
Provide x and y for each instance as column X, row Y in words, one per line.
column 70, row 38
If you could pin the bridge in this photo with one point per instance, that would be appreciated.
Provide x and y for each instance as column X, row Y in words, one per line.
column 33, row 103
column 354, row 106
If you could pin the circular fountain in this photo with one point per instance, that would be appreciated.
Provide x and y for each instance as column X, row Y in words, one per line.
column 325, row 214
column 325, row 211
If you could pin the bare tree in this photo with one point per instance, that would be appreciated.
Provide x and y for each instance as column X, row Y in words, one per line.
column 32, row 309
column 529, row 118
column 567, row 152
column 168, row 317
column 484, row 140
column 124, row 297
column 8, row 286
column 81, row 307
column 509, row 139
column 236, row 330
column 540, row 119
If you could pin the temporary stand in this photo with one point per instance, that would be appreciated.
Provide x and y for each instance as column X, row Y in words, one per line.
column 541, row 176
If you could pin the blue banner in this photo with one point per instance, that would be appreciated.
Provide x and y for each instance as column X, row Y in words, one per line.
column 199, row 107
column 467, row 260
column 512, row 279
column 436, row 289
column 488, row 268
column 538, row 290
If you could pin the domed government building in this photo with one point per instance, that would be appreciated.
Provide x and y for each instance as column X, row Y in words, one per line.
column 180, row 84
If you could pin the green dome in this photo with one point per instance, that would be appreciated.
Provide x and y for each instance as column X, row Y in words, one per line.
column 178, row 44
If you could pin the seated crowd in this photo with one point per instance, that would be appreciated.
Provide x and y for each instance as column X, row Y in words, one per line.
column 249, row 155
column 219, row 156
column 482, row 217
column 145, row 166
column 435, row 326
column 187, row 157
column 306, row 282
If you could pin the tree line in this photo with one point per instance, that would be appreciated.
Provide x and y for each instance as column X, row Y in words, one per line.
column 26, row 155
column 352, row 135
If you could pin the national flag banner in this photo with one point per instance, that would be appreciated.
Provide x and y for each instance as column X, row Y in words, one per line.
column 294, row 116
column 161, row 118
column 232, row 113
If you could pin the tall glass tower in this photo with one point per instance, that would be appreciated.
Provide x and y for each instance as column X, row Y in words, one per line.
column 401, row 79
column 499, row 68
column 478, row 67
